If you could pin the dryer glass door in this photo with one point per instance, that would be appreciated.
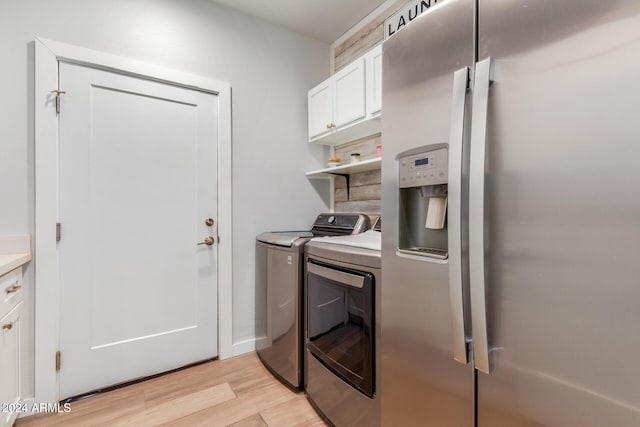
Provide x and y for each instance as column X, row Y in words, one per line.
column 340, row 304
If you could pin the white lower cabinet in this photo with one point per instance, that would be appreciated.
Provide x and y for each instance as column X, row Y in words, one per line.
column 10, row 343
column 10, row 384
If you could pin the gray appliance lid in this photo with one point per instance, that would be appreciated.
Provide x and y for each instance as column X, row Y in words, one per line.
column 283, row 238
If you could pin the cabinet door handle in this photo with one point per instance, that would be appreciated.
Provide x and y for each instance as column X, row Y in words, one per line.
column 7, row 326
column 12, row 289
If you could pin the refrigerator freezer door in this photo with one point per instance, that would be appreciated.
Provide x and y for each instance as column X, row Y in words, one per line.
column 421, row 382
column 563, row 213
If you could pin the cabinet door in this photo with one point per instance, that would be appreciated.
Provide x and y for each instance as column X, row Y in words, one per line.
column 349, row 93
column 320, row 104
column 10, row 390
column 374, row 81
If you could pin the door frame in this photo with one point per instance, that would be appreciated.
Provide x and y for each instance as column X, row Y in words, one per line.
column 48, row 54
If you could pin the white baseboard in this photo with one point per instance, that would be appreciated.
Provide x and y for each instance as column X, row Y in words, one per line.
column 29, row 403
column 244, row 347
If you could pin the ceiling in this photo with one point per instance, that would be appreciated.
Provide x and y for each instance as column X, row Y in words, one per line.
column 324, row 20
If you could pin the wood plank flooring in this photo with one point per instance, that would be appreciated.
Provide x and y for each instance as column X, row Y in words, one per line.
column 237, row 392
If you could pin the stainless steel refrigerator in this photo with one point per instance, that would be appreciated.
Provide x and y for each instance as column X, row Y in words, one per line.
column 511, row 197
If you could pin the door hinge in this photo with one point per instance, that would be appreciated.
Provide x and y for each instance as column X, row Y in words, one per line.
column 58, row 361
column 58, row 93
column 57, row 231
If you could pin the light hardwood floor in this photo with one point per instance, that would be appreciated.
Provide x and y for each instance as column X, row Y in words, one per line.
column 237, row 392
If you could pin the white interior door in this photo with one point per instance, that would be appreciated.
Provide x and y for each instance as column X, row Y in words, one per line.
column 138, row 178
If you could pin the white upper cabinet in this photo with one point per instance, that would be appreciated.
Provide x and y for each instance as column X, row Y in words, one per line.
column 349, row 94
column 374, row 80
column 320, row 100
column 347, row 105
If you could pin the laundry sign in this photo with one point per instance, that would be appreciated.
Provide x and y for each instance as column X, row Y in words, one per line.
column 406, row 14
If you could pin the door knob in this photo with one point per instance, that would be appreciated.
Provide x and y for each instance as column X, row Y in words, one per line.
column 209, row 240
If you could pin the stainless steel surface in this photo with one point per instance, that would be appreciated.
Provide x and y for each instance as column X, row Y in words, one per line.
column 351, row 255
column 337, row 400
column 209, row 222
column 341, row 403
column 456, row 145
column 209, row 240
column 477, row 216
column 421, row 382
column 563, row 213
column 336, row 275
column 279, row 269
column 281, row 274
column 553, row 215
column 261, row 317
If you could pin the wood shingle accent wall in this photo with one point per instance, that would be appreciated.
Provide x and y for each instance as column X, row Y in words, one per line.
column 365, row 39
column 364, row 188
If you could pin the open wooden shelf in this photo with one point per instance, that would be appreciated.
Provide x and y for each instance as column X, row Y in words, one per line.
column 348, row 169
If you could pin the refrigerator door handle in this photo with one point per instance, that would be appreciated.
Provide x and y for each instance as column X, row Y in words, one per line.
column 460, row 84
column 477, row 172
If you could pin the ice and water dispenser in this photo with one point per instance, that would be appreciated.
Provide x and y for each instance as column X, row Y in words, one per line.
column 423, row 178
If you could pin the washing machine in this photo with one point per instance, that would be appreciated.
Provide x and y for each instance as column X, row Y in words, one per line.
column 279, row 280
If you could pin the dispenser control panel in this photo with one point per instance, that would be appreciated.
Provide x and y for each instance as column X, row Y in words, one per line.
column 428, row 168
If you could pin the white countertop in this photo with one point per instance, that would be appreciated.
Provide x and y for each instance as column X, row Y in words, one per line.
column 14, row 252
column 10, row 261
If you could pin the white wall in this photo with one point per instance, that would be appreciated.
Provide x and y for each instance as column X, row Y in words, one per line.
column 270, row 70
